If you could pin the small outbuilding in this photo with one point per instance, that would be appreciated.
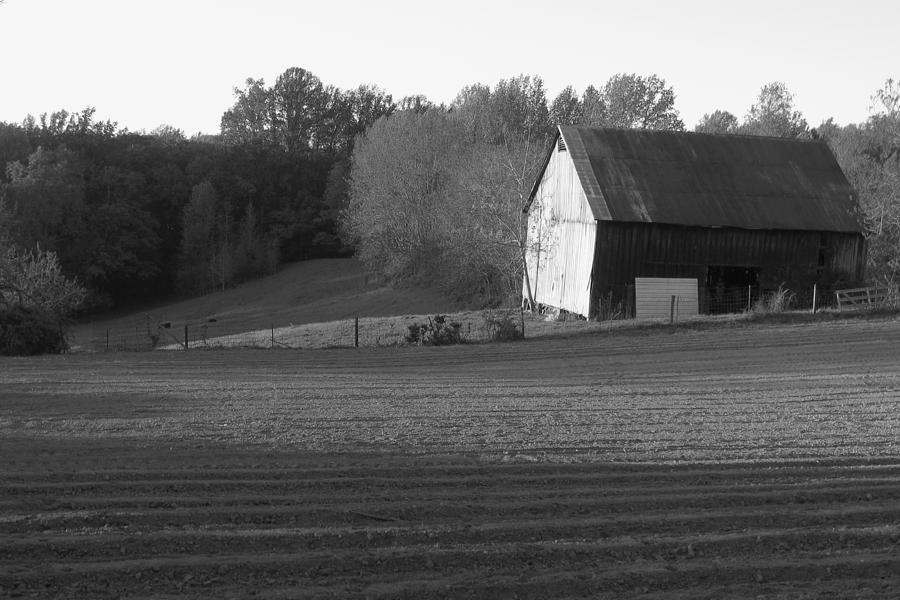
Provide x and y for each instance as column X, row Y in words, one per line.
column 730, row 211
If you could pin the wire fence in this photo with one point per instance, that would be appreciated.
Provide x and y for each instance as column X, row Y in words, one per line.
column 150, row 333
column 618, row 302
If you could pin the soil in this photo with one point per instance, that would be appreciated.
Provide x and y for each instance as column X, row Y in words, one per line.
column 744, row 462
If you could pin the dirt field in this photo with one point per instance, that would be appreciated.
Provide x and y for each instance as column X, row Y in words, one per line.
column 743, row 462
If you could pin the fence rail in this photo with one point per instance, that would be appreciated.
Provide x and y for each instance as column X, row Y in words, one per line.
column 867, row 297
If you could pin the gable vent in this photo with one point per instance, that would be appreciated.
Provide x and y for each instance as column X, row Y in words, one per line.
column 561, row 144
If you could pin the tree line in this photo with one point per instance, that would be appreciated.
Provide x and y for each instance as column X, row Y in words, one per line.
column 439, row 195
column 302, row 169
column 134, row 216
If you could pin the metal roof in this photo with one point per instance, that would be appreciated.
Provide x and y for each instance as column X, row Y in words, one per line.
column 679, row 178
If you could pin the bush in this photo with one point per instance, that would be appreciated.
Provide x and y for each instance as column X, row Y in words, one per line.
column 502, row 328
column 26, row 331
column 437, row 332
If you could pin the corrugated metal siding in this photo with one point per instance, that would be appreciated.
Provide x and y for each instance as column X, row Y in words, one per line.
column 627, row 250
column 653, row 297
column 561, row 236
column 694, row 179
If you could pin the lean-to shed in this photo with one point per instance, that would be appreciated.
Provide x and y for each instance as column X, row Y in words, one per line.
column 730, row 211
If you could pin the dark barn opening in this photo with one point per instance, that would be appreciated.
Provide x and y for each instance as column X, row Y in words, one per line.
column 730, row 289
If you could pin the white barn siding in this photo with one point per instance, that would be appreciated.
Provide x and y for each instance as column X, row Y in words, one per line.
column 653, row 297
column 561, row 237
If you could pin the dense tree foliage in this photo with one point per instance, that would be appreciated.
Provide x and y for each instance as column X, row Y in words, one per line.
column 773, row 114
column 119, row 209
column 720, row 121
column 111, row 205
column 635, row 102
column 869, row 154
column 35, row 296
column 625, row 101
column 440, row 195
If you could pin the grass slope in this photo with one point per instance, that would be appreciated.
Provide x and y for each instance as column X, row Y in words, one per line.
column 312, row 291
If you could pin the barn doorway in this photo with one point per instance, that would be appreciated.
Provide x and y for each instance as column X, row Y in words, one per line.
column 730, row 289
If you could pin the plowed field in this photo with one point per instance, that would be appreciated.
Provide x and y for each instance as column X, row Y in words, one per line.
column 742, row 462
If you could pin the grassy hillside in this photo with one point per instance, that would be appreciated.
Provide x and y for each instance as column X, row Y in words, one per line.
column 312, row 291
column 312, row 304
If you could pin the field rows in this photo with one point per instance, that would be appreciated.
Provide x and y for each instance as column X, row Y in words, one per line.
column 388, row 527
column 740, row 463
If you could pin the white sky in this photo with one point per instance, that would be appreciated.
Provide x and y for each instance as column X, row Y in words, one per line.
column 144, row 63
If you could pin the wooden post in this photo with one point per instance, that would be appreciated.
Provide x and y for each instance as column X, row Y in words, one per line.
column 273, row 336
column 814, row 299
column 749, row 301
column 185, row 337
column 672, row 311
column 356, row 332
column 522, row 317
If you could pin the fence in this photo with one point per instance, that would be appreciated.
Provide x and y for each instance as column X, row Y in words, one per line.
column 618, row 302
column 151, row 333
column 867, row 297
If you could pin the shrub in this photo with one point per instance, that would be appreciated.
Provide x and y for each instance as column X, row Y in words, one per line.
column 26, row 331
column 502, row 328
column 437, row 332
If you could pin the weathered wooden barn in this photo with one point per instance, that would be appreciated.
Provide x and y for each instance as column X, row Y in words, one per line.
column 612, row 205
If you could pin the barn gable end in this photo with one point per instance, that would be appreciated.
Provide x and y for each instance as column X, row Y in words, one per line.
column 561, row 235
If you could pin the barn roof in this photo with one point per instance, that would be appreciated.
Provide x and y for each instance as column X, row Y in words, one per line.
column 679, row 178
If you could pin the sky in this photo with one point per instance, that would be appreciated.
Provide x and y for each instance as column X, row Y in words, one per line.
column 177, row 62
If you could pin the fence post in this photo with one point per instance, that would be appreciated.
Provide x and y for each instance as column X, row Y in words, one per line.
column 814, row 299
column 185, row 336
column 273, row 336
column 672, row 311
column 356, row 332
column 522, row 317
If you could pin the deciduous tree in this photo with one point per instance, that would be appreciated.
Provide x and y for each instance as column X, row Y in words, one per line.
column 45, row 196
column 252, row 117
column 405, row 175
column 203, row 258
column 593, row 107
column 636, row 102
column 566, row 108
column 720, row 121
column 773, row 114
column 298, row 101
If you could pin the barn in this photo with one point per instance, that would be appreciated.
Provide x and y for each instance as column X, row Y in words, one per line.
column 610, row 207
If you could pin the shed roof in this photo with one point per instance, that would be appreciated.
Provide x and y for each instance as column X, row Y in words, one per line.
column 679, row 178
